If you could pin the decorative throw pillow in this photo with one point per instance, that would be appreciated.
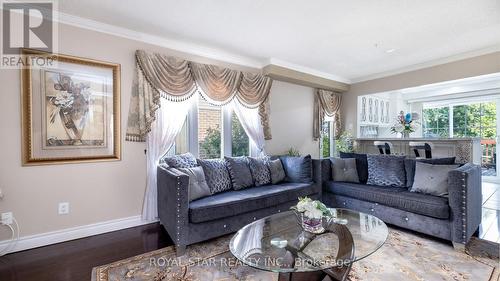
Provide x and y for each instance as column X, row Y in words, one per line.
column 297, row 169
column 239, row 172
column 432, row 179
column 186, row 160
column 277, row 171
column 198, row 187
column 344, row 170
column 216, row 174
column 361, row 164
column 386, row 170
column 260, row 172
column 410, row 166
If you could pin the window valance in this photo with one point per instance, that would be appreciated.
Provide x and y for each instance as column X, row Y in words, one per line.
column 159, row 76
column 327, row 103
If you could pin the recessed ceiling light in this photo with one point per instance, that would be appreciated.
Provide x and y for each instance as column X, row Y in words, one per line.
column 390, row 51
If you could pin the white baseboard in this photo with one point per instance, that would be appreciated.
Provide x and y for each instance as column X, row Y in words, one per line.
column 53, row 237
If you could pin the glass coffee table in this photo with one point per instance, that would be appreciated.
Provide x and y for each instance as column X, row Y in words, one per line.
column 278, row 243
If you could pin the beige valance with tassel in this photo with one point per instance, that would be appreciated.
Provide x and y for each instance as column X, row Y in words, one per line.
column 159, row 76
column 327, row 103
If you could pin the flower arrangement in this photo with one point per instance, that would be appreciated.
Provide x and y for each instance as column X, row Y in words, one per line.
column 310, row 214
column 405, row 124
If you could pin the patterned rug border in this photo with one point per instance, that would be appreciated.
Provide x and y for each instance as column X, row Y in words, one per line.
column 100, row 273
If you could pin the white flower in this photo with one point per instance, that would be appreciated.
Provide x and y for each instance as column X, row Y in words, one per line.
column 313, row 213
column 399, row 128
column 301, row 206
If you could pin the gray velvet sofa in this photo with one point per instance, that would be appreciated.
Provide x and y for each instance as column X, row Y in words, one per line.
column 454, row 218
column 222, row 213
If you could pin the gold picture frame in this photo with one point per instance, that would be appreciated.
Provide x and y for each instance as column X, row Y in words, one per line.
column 70, row 110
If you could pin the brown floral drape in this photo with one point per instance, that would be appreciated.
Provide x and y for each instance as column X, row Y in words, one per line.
column 326, row 103
column 159, row 76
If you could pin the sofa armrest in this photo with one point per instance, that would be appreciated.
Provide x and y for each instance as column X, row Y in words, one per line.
column 173, row 203
column 465, row 198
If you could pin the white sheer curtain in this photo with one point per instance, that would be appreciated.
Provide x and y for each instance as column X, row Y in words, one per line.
column 250, row 121
column 169, row 120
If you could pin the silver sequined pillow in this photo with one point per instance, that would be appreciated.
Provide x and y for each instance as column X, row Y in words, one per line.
column 216, row 174
column 260, row 171
column 386, row 170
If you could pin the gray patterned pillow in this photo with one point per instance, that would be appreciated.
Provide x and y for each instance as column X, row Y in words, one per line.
column 277, row 171
column 186, row 160
column 386, row 170
column 239, row 171
column 216, row 173
column 260, row 172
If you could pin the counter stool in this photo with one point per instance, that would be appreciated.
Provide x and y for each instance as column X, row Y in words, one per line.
column 384, row 147
column 425, row 146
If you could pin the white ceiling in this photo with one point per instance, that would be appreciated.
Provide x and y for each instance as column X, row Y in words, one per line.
column 344, row 40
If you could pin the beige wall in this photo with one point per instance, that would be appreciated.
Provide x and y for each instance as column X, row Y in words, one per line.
column 105, row 191
column 476, row 66
column 291, row 119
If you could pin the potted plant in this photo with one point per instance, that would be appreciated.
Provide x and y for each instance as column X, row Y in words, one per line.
column 310, row 214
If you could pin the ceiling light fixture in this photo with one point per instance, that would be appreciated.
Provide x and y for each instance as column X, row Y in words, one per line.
column 390, row 51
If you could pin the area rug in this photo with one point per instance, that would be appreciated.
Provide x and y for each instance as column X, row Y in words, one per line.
column 405, row 256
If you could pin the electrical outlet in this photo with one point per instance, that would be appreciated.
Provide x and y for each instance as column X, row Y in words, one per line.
column 63, row 208
column 7, row 218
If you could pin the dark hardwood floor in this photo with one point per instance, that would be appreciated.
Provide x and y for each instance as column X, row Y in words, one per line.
column 74, row 260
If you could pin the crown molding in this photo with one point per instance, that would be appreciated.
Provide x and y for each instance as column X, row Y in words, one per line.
column 178, row 45
column 436, row 62
column 308, row 70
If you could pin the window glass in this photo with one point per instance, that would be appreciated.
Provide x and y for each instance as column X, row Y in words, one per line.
column 326, row 137
column 436, row 122
column 240, row 143
column 209, row 130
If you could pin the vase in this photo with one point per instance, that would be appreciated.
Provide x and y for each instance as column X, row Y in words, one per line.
column 312, row 225
column 406, row 135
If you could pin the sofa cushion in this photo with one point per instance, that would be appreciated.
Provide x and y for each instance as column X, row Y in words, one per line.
column 277, row 171
column 386, row 170
column 397, row 197
column 198, row 187
column 344, row 169
column 410, row 166
column 361, row 164
column 216, row 174
column 297, row 169
column 432, row 179
column 236, row 202
column 186, row 160
column 239, row 172
column 260, row 171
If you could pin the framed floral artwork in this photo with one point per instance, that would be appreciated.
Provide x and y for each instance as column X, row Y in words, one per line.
column 70, row 110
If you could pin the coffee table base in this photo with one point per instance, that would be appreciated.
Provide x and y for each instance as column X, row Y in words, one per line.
column 335, row 274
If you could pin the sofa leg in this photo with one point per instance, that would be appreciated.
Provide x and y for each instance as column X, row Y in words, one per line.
column 180, row 250
column 459, row 247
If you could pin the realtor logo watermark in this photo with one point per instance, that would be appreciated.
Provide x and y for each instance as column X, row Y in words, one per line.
column 31, row 25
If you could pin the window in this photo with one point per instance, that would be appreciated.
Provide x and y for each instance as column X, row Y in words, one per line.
column 327, row 139
column 240, row 144
column 436, row 122
column 211, row 132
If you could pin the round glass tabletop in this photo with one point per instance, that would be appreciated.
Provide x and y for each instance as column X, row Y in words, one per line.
column 278, row 243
